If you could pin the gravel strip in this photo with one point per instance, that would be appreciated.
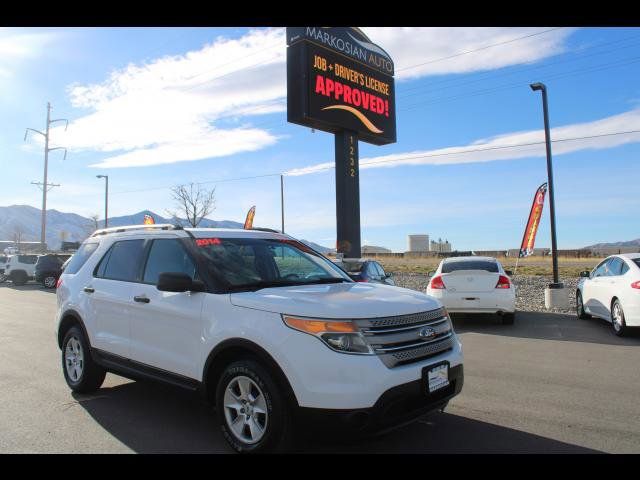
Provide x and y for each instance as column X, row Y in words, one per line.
column 529, row 293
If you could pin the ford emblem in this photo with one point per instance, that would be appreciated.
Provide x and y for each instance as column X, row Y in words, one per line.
column 427, row 332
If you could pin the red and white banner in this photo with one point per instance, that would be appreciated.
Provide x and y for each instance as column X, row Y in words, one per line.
column 529, row 238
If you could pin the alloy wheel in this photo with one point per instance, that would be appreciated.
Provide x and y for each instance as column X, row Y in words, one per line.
column 616, row 317
column 245, row 410
column 50, row 282
column 74, row 359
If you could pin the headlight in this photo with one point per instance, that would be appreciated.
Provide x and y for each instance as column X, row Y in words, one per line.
column 338, row 335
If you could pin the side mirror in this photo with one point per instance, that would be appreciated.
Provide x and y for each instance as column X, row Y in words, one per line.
column 431, row 273
column 508, row 272
column 178, row 282
column 585, row 274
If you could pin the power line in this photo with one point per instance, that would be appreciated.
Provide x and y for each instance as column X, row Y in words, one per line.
column 401, row 159
column 478, row 49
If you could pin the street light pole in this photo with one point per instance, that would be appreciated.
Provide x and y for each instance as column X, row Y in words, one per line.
column 552, row 207
column 106, row 199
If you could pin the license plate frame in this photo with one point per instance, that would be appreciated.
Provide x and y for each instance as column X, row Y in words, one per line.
column 436, row 377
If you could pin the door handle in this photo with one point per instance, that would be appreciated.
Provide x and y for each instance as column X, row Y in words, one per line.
column 89, row 289
column 141, row 299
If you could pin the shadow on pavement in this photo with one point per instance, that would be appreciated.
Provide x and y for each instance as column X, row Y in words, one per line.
column 153, row 418
column 545, row 326
column 28, row 287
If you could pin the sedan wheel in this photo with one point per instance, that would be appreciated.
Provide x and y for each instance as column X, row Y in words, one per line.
column 580, row 307
column 617, row 319
column 49, row 282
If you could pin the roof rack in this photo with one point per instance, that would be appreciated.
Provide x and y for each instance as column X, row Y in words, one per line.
column 262, row 229
column 128, row 228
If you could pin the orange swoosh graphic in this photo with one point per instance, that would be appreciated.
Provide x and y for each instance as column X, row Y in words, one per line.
column 361, row 117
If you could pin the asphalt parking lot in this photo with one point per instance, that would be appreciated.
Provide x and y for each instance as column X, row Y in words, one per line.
column 548, row 384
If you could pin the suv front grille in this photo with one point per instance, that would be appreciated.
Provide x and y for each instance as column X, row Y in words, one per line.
column 397, row 340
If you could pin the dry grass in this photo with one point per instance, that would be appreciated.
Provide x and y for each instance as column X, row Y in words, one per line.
column 568, row 267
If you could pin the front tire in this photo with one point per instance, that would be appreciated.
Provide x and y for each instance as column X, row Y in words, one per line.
column 582, row 315
column 82, row 374
column 617, row 319
column 252, row 409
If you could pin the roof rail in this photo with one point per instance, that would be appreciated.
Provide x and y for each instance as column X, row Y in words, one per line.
column 128, row 228
column 262, row 229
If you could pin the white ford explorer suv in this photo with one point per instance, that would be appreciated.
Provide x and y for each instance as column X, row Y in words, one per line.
column 270, row 331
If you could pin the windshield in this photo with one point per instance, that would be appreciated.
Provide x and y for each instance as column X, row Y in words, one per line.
column 254, row 263
column 489, row 266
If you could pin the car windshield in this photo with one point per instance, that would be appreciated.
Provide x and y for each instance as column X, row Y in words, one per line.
column 255, row 263
column 486, row 265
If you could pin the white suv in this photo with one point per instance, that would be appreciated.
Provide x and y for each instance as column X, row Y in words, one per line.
column 20, row 268
column 270, row 331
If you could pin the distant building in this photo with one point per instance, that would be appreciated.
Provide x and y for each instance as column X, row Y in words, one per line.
column 440, row 246
column 418, row 243
column 373, row 249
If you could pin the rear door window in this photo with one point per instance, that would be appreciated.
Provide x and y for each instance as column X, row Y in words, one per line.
column 80, row 257
column 485, row 265
column 167, row 255
column 123, row 261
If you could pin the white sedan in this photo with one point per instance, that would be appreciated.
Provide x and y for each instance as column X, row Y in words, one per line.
column 612, row 292
column 474, row 285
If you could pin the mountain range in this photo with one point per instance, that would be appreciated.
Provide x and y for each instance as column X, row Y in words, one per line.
column 24, row 220
column 630, row 243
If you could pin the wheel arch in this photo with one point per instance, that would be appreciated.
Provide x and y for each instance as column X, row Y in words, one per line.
column 69, row 319
column 235, row 349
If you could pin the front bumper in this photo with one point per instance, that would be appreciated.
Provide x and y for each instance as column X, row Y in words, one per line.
column 395, row 407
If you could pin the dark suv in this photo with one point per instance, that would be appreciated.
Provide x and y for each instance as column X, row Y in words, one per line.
column 49, row 268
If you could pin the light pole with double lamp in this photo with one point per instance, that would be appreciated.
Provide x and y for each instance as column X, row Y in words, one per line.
column 106, row 199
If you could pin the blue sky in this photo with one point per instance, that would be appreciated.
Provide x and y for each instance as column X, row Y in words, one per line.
column 156, row 107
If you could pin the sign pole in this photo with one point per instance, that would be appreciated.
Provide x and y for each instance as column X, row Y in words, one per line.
column 347, row 194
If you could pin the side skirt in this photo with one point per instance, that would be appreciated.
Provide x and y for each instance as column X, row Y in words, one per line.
column 139, row 371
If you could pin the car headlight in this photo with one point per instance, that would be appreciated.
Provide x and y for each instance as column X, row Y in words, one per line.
column 339, row 335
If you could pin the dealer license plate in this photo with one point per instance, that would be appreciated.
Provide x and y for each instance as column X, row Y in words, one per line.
column 438, row 377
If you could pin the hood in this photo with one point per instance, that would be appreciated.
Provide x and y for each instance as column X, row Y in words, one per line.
column 341, row 300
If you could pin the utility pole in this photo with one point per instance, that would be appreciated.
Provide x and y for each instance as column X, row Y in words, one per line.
column 282, row 199
column 106, row 199
column 45, row 186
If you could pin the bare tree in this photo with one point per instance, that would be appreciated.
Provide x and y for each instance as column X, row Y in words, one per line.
column 18, row 232
column 192, row 203
column 92, row 225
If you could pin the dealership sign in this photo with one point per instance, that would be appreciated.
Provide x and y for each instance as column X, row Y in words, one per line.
column 338, row 80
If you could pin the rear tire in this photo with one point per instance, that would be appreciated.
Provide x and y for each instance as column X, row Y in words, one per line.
column 19, row 278
column 49, row 281
column 582, row 315
column 252, row 409
column 617, row 319
column 508, row 318
column 82, row 374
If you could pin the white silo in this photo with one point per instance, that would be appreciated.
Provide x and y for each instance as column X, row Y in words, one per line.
column 418, row 243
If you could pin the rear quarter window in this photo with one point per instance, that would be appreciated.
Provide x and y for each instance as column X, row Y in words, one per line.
column 80, row 257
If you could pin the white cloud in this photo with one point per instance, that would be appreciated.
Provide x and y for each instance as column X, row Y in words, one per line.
column 169, row 110
column 491, row 149
column 166, row 111
column 17, row 45
column 409, row 46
